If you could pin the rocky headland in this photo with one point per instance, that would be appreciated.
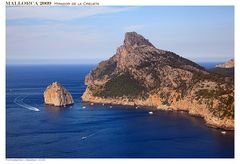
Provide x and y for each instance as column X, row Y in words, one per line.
column 57, row 95
column 139, row 74
column 228, row 64
column 226, row 69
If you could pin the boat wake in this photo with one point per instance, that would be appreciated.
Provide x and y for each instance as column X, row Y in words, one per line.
column 90, row 135
column 19, row 101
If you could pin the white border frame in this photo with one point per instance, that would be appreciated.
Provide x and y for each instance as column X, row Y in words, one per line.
column 127, row 3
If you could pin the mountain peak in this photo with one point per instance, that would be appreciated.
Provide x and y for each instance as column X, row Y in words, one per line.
column 134, row 39
column 139, row 74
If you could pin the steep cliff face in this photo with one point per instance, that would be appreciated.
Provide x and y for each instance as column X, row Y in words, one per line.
column 141, row 74
column 56, row 95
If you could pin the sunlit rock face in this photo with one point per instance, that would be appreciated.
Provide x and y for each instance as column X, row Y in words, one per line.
column 57, row 95
column 228, row 64
column 141, row 74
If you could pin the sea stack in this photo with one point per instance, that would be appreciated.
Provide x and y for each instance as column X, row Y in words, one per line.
column 140, row 74
column 57, row 95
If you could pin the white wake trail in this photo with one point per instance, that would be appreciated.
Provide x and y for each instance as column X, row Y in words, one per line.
column 19, row 101
column 92, row 134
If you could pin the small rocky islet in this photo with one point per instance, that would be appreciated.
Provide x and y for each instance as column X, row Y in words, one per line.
column 57, row 95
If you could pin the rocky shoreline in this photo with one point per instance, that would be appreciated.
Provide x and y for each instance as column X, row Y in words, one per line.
column 139, row 74
column 210, row 120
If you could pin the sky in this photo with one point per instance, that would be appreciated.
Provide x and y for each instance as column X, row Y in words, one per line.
column 88, row 35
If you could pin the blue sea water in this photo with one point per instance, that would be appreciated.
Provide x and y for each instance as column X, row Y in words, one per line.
column 97, row 130
column 209, row 65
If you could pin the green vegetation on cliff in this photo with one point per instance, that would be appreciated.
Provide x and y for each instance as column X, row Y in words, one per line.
column 223, row 71
column 225, row 109
column 139, row 70
column 121, row 85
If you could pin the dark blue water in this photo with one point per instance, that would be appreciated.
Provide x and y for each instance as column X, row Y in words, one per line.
column 97, row 131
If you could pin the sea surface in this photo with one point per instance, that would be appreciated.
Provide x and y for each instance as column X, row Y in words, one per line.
column 84, row 130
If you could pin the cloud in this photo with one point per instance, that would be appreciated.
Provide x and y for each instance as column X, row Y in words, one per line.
column 59, row 13
column 40, row 33
column 56, row 43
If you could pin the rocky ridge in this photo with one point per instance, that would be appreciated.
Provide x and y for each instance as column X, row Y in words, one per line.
column 140, row 74
column 57, row 95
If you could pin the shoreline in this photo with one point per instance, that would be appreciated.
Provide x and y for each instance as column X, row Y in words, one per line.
column 208, row 124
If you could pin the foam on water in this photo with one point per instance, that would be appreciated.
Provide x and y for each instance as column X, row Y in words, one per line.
column 19, row 101
column 92, row 134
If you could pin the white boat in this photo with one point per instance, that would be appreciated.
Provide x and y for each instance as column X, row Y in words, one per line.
column 136, row 107
column 110, row 107
column 150, row 112
column 83, row 138
column 223, row 132
column 83, row 107
column 37, row 110
column 92, row 103
column 103, row 104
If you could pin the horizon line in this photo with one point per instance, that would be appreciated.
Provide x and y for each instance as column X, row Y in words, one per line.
column 32, row 64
